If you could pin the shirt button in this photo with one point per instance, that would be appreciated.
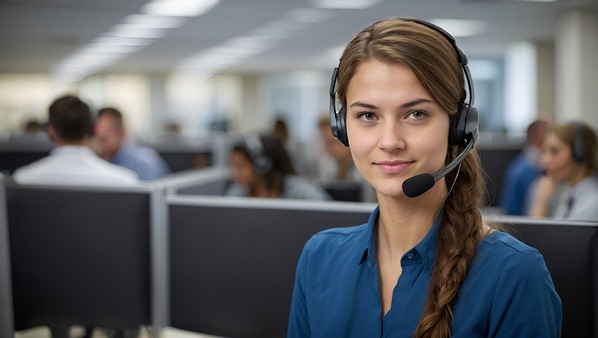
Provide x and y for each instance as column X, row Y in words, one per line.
column 410, row 255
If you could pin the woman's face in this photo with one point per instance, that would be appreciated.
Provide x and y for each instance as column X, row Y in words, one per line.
column 557, row 158
column 394, row 127
column 242, row 168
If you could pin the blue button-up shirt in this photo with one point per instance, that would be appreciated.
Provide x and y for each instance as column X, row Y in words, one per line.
column 145, row 161
column 508, row 291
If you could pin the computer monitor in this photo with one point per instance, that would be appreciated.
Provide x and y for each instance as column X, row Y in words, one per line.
column 233, row 260
column 11, row 160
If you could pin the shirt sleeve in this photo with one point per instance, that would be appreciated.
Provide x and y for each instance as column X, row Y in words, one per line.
column 299, row 319
column 525, row 303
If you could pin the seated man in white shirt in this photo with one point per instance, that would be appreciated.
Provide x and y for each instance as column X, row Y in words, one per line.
column 72, row 161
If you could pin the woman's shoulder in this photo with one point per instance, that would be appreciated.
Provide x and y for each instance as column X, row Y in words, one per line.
column 503, row 243
column 340, row 238
column 499, row 249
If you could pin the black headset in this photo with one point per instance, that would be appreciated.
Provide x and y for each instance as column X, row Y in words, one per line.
column 578, row 150
column 464, row 124
column 255, row 148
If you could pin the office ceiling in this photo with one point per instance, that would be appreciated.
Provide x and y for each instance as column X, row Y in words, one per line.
column 35, row 35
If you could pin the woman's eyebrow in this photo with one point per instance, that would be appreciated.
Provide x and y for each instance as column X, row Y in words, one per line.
column 404, row 105
column 416, row 102
column 363, row 105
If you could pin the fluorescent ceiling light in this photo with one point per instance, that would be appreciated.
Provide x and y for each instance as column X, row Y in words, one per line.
column 461, row 28
column 345, row 4
column 152, row 21
column 105, row 41
column 179, row 7
column 135, row 31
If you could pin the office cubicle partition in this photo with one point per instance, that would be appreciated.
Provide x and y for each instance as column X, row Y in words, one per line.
column 570, row 250
column 81, row 256
column 232, row 260
column 224, row 266
column 6, row 316
column 211, row 181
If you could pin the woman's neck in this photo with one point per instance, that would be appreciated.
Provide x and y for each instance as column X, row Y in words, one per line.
column 403, row 222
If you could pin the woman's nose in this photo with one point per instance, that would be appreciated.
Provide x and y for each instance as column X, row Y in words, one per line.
column 391, row 137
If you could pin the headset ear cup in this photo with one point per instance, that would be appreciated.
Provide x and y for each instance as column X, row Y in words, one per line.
column 342, row 127
column 464, row 126
column 456, row 131
column 579, row 151
column 579, row 154
column 338, row 126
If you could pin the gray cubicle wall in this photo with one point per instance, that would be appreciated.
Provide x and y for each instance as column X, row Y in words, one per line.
column 232, row 260
column 211, row 181
column 6, row 315
column 98, row 251
column 570, row 250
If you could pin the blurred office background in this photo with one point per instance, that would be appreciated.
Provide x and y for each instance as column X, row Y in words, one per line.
column 238, row 64
column 230, row 67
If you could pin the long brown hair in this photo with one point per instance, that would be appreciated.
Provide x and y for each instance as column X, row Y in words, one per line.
column 433, row 60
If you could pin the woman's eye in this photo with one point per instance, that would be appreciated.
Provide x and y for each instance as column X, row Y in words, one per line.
column 416, row 114
column 366, row 116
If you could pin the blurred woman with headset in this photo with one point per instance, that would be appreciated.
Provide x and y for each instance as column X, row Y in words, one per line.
column 426, row 264
column 262, row 167
column 569, row 190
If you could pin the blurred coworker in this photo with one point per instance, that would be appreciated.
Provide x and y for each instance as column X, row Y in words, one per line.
column 302, row 159
column 280, row 130
column 72, row 161
column 32, row 136
column 335, row 162
column 523, row 170
column 262, row 168
column 113, row 145
column 569, row 190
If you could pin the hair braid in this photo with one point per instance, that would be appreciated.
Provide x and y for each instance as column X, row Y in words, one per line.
column 460, row 232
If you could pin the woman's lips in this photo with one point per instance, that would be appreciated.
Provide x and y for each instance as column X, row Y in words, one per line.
column 393, row 167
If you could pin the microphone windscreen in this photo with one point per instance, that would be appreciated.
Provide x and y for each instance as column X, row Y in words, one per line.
column 417, row 185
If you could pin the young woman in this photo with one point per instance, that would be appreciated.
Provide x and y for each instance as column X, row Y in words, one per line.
column 569, row 190
column 427, row 265
column 262, row 167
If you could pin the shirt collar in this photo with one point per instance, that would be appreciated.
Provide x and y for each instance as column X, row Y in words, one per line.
column 426, row 248
column 71, row 149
